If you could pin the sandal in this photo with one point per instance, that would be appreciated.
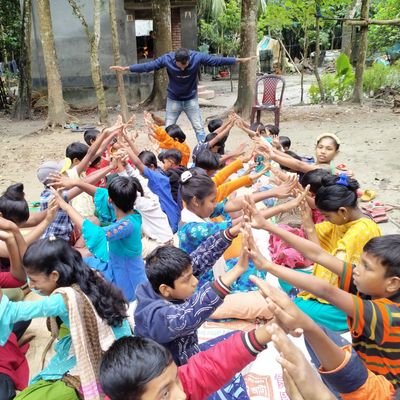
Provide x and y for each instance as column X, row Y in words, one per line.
column 368, row 195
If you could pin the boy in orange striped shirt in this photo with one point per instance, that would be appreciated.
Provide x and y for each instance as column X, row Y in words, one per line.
column 368, row 293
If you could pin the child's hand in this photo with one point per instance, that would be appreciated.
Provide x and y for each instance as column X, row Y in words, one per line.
column 5, row 235
column 259, row 260
column 61, row 181
column 296, row 202
column 58, row 199
column 246, row 157
column 288, row 315
column 301, row 381
column 148, row 119
column 243, row 261
column 284, row 190
column 7, row 225
column 51, row 210
column 258, row 175
column 115, row 128
column 257, row 221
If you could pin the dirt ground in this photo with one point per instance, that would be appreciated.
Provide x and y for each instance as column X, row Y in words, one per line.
column 370, row 142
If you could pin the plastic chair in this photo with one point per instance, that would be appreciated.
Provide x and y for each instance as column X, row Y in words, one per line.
column 269, row 100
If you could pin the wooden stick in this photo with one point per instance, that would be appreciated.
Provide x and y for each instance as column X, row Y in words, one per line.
column 290, row 58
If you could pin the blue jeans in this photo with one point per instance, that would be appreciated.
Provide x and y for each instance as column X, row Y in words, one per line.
column 192, row 110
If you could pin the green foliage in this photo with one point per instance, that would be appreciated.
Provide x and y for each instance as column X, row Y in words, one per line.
column 10, row 27
column 338, row 86
column 380, row 37
column 379, row 76
column 221, row 33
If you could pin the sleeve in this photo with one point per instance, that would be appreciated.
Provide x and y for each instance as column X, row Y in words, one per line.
column 371, row 318
column 346, row 279
column 213, row 61
column 118, row 230
column 209, row 251
column 96, row 240
column 224, row 190
column 103, row 211
column 210, row 370
column 12, row 312
column 199, row 231
column 221, row 176
column 323, row 231
column 155, row 65
column 167, row 142
column 182, row 319
column 7, row 281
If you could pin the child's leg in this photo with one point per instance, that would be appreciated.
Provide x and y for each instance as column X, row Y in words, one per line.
column 49, row 390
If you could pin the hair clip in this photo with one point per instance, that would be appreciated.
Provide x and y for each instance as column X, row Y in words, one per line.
column 343, row 180
column 186, row 176
column 52, row 238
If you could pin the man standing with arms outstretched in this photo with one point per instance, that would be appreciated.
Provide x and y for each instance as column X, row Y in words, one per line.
column 182, row 68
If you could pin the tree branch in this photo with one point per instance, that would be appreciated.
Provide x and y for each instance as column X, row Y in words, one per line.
column 367, row 22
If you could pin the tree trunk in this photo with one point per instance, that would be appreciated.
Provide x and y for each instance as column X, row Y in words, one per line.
column 316, row 61
column 56, row 110
column 362, row 55
column 117, row 60
column 303, row 65
column 94, row 41
column 162, row 44
column 347, row 30
column 23, row 105
column 248, row 46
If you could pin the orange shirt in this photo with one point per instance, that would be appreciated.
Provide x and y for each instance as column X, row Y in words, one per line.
column 167, row 142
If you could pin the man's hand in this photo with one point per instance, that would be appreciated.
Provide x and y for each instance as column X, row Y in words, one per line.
column 119, row 68
column 246, row 59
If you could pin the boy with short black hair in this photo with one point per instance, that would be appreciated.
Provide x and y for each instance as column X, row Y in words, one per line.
column 368, row 293
column 90, row 135
column 170, row 307
column 135, row 368
column 172, row 167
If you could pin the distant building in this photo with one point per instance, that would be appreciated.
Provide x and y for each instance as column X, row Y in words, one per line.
column 135, row 25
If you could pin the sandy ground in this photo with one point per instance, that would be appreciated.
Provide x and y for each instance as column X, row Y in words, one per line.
column 369, row 134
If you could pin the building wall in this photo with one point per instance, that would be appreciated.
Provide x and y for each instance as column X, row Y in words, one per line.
column 74, row 56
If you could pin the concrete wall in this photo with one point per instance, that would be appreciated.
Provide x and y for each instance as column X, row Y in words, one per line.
column 74, row 56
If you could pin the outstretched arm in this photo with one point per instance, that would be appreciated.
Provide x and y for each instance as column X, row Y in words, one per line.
column 76, row 218
column 309, row 249
column 145, row 67
column 310, row 283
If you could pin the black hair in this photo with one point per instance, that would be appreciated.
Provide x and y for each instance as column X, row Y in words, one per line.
column 95, row 161
column 76, row 150
column 214, row 124
column 387, row 250
column 123, row 192
column 182, row 55
column 130, row 364
column 314, row 179
column 165, row 265
column 273, row 129
column 285, row 141
column 331, row 195
column 13, row 205
column 199, row 185
column 90, row 135
column 207, row 160
column 176, row 132
column 220, row 143
column 48, row 255
column 291, row 154
column 336, row 144
column 148, row 158
column 257, row 126
column 173, row 154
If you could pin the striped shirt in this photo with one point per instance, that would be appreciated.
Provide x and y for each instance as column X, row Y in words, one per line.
column 375, row 329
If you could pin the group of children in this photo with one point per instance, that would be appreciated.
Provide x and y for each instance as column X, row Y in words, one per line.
column 131, row 257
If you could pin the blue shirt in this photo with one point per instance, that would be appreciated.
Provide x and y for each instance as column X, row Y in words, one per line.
column 182, row 85
column 159, row 185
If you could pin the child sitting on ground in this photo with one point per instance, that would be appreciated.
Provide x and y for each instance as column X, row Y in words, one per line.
column 173, row 168
column 169, row 309
column 170, row 138
column 139, row 368
column 368, row 293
